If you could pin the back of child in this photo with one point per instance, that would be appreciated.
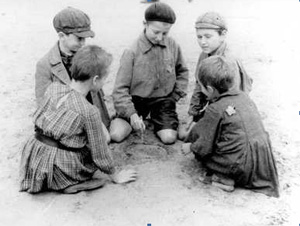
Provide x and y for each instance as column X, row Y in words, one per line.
column 69, row 144
column 230, row 139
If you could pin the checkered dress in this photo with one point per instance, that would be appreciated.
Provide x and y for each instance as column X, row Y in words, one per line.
column 75, row 123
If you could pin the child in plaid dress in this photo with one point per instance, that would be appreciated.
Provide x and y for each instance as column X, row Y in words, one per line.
column 230, row 139
column 69, row 144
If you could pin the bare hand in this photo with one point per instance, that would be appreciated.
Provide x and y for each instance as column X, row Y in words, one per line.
column 123, row 176
column 137, row 122
column 185, row 129
column 190, row 123
column 186, row 148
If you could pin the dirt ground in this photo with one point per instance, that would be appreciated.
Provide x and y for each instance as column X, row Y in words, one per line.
column 265, row 34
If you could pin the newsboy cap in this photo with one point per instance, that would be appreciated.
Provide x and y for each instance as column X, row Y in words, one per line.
column 160, row 12
column 73, row 21
column 211, row 20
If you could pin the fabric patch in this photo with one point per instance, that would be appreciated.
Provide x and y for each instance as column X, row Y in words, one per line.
column 230, row 110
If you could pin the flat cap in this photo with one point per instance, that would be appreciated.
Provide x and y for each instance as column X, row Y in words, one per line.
column 73, row 21
column 160, row 12
column 211, row 20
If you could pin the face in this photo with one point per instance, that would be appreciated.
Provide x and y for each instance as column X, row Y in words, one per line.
column 71, row 43
column 157, row 31
column 209, row 39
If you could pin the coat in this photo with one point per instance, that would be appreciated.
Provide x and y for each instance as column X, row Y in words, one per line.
column 230, row 139
column 51, row 69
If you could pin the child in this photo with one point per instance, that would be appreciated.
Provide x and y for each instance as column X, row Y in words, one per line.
column 152, row 77
column 211, row 30
column 69, row 144
column 73, row 27
column 230, row 139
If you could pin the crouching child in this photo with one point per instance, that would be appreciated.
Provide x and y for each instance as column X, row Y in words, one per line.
column 230, row 139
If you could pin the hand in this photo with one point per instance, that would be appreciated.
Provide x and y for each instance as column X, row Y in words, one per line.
column 190, row 122
column 186, row 148
column 185, row 129
column 137, row 122
column 123, row 176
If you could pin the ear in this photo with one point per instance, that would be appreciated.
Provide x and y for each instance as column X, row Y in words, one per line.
column 61, row 34
column 224, row 32
column 210, row 89
column 145, row 24
column 95, row 79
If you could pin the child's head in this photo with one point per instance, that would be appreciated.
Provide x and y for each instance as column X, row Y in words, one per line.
column 159, row 19
column 89, row 62
column 211, row 31
column 216, row 73
column 73, row 27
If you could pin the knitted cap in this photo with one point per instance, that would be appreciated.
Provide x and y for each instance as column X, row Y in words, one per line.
column 211, row 20
column 160, row 12
column 73, row 21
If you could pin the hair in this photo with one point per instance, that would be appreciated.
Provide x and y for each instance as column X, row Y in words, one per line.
column 220, row 31
column 218, row 72
column 89, row 61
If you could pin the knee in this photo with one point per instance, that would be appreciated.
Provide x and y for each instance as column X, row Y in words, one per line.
column 119, row 129
column 167, row 136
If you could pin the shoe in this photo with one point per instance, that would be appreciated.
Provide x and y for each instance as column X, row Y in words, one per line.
column 206, row 178
column 224, row 183
column 222, row 179
column 85, row 186
column 224, row 187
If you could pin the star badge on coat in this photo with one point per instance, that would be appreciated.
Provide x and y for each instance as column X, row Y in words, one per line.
column 230, row 110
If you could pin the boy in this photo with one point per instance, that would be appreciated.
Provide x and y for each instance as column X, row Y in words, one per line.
column 69, row 145
column 230, row 139
column 211, row 30
column 72, row 26
column 152, row 77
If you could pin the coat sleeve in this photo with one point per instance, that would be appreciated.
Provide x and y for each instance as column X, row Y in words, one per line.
column 198, row 99
column 97, row 143
column 204, row 133
column 182, row 77
column 246, row 80
column 121, row 96
column 42, row 80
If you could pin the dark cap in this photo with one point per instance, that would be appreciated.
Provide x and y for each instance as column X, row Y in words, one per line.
column 211, row 20
column 73, row 21
column 160, row 12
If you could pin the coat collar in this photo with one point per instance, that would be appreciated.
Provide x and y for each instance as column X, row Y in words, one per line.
column 146, row 45
column 57, row 66
column 231, row 92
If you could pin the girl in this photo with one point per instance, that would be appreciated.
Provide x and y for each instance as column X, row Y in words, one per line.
column 69, row 144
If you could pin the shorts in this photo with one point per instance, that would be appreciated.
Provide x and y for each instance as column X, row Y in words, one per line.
column 162, row 111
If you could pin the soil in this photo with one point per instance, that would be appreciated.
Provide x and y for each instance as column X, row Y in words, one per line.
column 264, row 34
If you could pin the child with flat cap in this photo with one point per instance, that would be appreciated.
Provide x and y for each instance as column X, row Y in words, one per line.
column 69, row 145
column 211, row 30
column 152, row 77
column 230, row 140
column 72, row 26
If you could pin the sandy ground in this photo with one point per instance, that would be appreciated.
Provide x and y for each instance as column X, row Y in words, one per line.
column 265, row 34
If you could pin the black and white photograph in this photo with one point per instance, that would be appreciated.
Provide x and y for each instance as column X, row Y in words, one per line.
column 150, row 113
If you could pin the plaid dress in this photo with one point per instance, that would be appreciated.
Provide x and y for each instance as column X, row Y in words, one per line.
column 74, row 123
